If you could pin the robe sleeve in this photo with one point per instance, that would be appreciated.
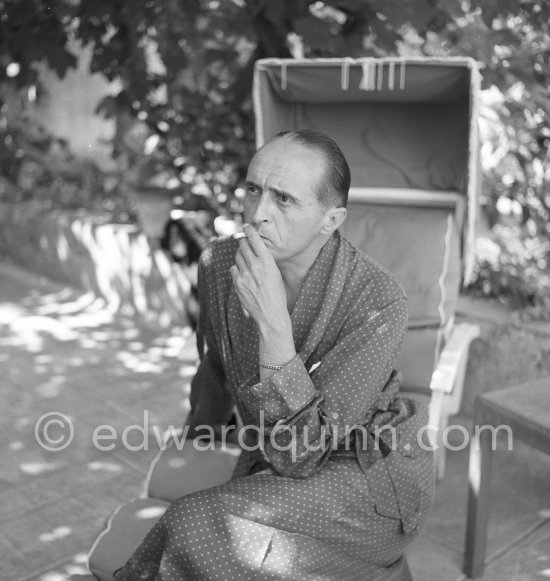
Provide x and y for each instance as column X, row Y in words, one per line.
column 304, row 414
column 211, row 401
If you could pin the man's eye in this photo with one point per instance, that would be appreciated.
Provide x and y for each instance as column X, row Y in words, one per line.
column 252, row 190
column 285, row 200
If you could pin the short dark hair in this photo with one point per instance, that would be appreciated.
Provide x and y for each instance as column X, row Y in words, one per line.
column 335, row 186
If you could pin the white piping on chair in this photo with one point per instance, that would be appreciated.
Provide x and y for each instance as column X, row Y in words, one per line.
column 158, row 456
column 442, row 288
column 391, row 75
column 344, row 79
column 402, row 75
column 445, row 269
column 438, row 345
column 103, row 532
column 283, row 76
column 258, row 109
column 365, row 84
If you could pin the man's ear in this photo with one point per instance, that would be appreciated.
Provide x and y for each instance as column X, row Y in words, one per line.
column 333, row 219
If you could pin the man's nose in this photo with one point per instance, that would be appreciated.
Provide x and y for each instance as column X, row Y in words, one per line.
column 262, row 209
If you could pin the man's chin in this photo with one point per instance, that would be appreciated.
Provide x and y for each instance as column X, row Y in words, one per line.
column 277, row 256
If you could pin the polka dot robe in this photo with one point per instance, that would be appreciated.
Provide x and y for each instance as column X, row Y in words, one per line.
column 333, row 482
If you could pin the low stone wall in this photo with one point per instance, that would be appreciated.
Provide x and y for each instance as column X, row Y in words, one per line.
column 115, row 261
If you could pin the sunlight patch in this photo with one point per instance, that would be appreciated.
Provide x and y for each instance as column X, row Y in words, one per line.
column 56, row 534
column 187, row 370
column 36, row 468
column 107, row 466
column 151, row 512
column 9, row 313
column 52, row 388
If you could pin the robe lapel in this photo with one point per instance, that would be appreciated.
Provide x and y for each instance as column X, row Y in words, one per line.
column 242, row 335
column 318, row 297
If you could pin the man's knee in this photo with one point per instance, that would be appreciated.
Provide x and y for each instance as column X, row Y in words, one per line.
column 194, row 507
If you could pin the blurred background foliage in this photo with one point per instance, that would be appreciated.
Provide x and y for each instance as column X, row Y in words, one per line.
column 184, row 115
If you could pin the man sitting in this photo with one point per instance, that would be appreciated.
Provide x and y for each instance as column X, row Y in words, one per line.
column 300, row 331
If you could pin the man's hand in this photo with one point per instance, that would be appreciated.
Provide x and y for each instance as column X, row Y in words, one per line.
column 258, row 281
column 261, row 290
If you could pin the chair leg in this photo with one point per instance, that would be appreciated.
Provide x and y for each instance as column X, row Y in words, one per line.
column 441, row 452
column 435, row 419
column 479, row 477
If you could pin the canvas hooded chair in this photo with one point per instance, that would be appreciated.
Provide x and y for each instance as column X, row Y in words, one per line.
column 409, row 131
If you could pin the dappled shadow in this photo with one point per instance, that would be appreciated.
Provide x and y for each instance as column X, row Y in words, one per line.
column 63, row 352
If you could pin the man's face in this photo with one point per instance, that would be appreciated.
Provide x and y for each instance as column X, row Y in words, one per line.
column 281, row 200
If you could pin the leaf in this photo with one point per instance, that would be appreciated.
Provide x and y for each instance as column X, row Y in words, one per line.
column 350, row 6
column 60, row 60
column 314, row 31
column 489, row 11
column 505, row 37
column 417, row 13
column 109, row 106
column 453, row 8
column 494, row 9
column 386, row 36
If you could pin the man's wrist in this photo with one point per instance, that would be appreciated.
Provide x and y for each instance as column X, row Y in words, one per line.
column 272, row 366
column 277, row 331
column 276, row 346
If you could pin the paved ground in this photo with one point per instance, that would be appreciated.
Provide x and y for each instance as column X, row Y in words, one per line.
column 61, row 352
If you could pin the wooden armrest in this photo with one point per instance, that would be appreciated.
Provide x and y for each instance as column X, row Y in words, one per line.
column 452, row 356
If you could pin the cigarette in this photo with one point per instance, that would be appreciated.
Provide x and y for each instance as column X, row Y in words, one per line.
column 239, row 235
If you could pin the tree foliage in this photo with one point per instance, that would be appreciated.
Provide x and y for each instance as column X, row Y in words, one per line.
column 185, row 68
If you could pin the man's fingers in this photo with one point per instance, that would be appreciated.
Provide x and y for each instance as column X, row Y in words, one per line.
column 240, row 260
column 246, row 250
column 234, row 272
column 255, row 241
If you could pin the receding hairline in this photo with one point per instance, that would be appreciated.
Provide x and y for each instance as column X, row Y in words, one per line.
column 317, row 152
column 317, row 149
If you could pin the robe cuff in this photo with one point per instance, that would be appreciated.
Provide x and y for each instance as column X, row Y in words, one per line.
column 283, row 395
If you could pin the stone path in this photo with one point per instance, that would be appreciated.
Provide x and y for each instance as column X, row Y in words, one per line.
column 62, row 352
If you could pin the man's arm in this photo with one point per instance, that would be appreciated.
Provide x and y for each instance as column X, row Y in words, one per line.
column 305, row 415
column 211, row 402
column 260, row 288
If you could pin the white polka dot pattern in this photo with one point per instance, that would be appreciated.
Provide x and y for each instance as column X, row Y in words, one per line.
column 327, row 507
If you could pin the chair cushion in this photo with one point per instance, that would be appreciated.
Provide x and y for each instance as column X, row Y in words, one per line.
column 420, row 246
column 175, row 473
column 125, row 530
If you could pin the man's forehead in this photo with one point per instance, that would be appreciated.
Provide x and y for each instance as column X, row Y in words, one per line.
column 282, row 157
column 264, row 166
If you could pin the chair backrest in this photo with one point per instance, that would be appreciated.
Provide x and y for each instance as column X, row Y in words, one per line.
column 420, row 245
